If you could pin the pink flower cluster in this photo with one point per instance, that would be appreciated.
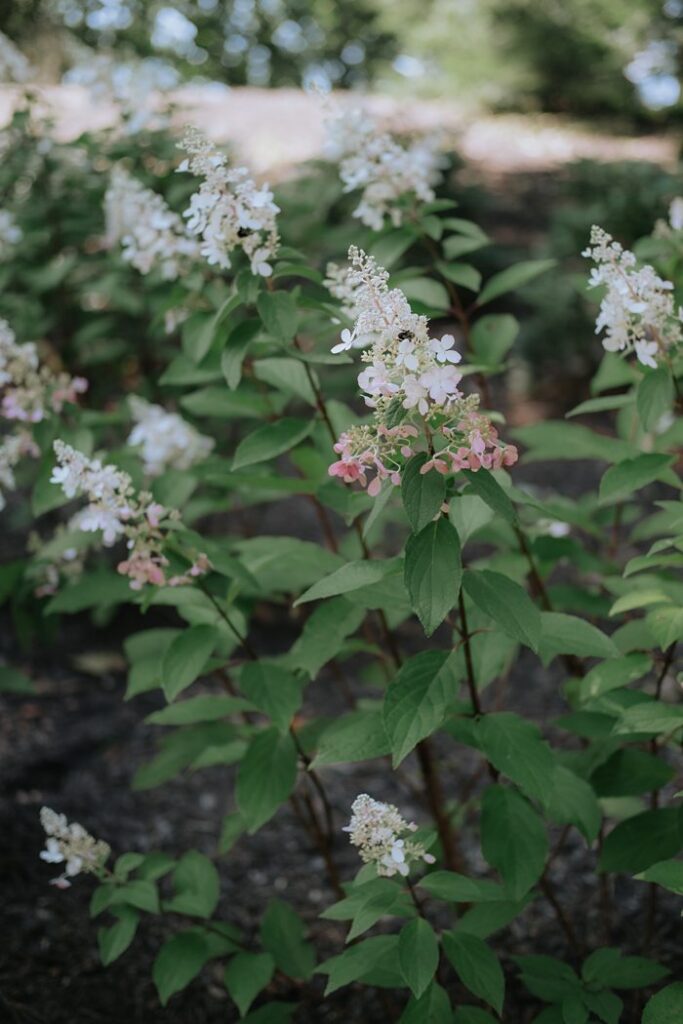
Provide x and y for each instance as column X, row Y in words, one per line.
column 147, row 567
column 32, row 390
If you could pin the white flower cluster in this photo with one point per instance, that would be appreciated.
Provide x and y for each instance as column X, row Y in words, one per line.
column 54, row 562
column 10, row 235
column 71, row 845
column 381, row 835
column 676, row 214
column 412, row 384
column 152, row 235
column 637, row 311
column 14, row 67
column 375, row 163
column 13, row 448
column 229, row 211
column 31, row 391
column 165, row 439
column 115, row 509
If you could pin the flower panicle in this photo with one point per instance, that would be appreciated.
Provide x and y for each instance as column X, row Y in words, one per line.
column 69, row 844
column 637, row 311
column 411, row 381
column 382, row 837
column 229, row 211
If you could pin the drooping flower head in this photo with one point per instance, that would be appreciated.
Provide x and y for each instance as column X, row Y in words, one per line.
column 115, row 509
column 229, row 211
column 70, row 844
column 637, row 311
column 152, row 236
column 165, row 439
column 379, row 166
column 31, row 391
column 411, row 381
column 382, row 837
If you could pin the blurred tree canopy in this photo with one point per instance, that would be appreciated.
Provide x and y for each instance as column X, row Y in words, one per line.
column 582, row 57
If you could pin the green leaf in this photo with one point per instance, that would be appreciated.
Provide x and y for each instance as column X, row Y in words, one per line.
column 655, row 396
column 246, row 975
column 195, row 885
column 552, row 440
column 492, row 338
column 477, row 967
column 666, row 625
column 418, row 955
column 571, row 801
column 236, row 348
column 286, row 374
column 323, row 634
column 506, row 603
column 609, row 969
column 273, row 690
column 472, row 1015
column 370, row 902
column 359, row 736
column 279, row 314
column 631, row 474
column 433, row 1007
column 633, row 845
column 187, row 658
column 423, row 494
column 429, row 293
column 513, row 839
column 198, row 709
column 356, row 961
column 652, row 716
column 433, row 572
column 266, row 777
column 513, row 277
column 139, row 893
column 179, row 960
column 463, row 274
column 116, row 939
column 567, row 634
column 547, row 978
column 604, row 404
column 271, row 440
column 667, row 873
column 666, row 1007
column 485, row 485
column 99, row 589
column 514, row 746
column 283, row 936
column 350, row 577
column 449, row 885
column 417, row 700
column 202, row 340
column 630, row 772
column 613, row 674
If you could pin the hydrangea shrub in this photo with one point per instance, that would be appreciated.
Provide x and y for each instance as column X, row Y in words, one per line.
column 430, row 571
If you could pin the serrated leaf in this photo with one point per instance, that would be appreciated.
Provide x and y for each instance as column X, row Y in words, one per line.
column 266, row 777
column 179, row 960
column 633, row 845
column 246, row 975
column 422, row 494
column 568, row 634
column 513, row 839
column 350, row 577
column 417, row 700
column 418, row 955
column 359, row 736
column 186, row 658
column 506, row 603
column 513, row 277
column 283, row 936
column 449, row 885
column 433, row 572
column 514, row 746
column 485, row 485
column 273, row 690
column 666, row 1007
column 654, row 397
column 630, row 475
column 477, row 966
column 116, row 939
column 195, row 886
column 279, row 314
column 271, row 440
